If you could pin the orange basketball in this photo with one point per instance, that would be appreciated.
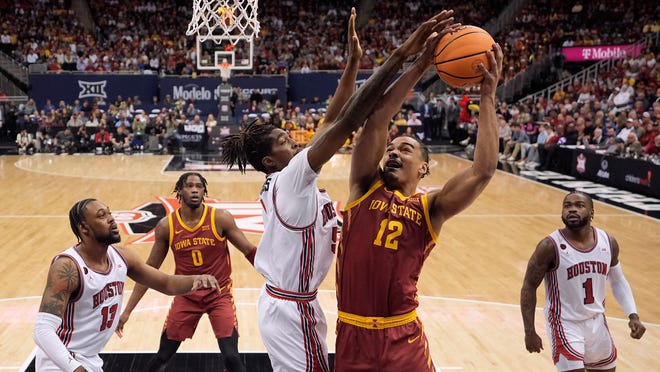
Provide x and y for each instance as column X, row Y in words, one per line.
column 458, row 54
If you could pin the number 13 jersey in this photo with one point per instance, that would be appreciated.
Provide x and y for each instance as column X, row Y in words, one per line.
column 91, row 317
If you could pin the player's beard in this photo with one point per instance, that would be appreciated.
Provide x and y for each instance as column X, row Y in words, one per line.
column 576, row 225
column 109, row 239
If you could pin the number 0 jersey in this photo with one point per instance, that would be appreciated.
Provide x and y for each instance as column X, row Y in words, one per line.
column 199, row 249
column 385, row 239
column 575, row 290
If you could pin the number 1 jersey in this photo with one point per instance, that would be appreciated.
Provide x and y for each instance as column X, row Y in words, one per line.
column 575, row 290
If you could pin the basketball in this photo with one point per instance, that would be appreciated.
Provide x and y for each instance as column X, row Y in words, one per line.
column 458, row 54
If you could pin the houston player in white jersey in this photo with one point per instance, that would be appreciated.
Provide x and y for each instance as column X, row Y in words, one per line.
column 576, row 261
column 84, row 291
column 295, row 251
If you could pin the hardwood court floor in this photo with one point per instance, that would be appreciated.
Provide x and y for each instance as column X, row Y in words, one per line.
column 469, row 287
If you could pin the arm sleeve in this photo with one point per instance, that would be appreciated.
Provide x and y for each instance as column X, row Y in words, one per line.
column 621, row 290
column 45, row 337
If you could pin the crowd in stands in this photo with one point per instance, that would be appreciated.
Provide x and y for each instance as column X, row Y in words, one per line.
column 149, row 37
column 545, row 25
column 617, row 114
column 127, row 125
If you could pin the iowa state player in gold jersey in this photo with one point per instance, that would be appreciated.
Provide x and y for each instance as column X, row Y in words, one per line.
column 197, row 235
column 389, row 229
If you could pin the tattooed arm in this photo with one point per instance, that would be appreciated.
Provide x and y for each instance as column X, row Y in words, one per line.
column 63, row 281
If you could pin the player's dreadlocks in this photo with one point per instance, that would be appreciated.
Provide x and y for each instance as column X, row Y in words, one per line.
column 77, row 216
column 182, row 180
column 250, row 145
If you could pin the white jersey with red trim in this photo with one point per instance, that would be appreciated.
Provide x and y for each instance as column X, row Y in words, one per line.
column 300, row 228
column 91, row 318
column 575, row 290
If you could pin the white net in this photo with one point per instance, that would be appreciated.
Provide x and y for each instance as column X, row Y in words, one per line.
column 224, row 18
column 225, row 71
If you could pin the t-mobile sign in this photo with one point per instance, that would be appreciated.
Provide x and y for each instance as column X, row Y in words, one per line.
column 600, row 52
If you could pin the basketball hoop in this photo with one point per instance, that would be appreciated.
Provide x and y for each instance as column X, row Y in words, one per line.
column 224, row 18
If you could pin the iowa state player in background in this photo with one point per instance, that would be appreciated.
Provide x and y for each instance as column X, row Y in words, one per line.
column 389, row 228
column 576, row 261
column 197, row 235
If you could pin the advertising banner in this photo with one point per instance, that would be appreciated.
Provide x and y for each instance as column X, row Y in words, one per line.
column 601, row 52
column 635, row 175
column 204, row 90
column 69, row 87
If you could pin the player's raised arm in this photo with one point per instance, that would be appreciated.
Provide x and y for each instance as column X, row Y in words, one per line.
column 464, row 187
column 346, row 85
column 362, row 103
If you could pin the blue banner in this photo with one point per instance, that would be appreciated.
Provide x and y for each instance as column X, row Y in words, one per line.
column 204, row 90
column 318, row 84
column 69, row 87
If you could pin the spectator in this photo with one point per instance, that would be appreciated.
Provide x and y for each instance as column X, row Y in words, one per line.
column 83, row 140
column 102, row 141
column 504, row 132
column 65, row 141
column 123, row 120
column 399, row 120
column 632, row 147
column 138, row 137
column 121, row 141
column 412, row 119
column 529, row 154
column 513, row 146
column 25, row 142
column 75, row 121
column 597, row 140
column 653, row 147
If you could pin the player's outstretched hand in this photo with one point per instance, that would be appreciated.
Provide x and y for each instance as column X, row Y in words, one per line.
column 533, row 343
column 204, row 281
column 492, row 76
column 354, row 48
column 426, row 58
column 637, row 329
column 416, row 41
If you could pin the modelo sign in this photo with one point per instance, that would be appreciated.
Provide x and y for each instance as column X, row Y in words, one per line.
column 601, row 52
column 206, row 88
